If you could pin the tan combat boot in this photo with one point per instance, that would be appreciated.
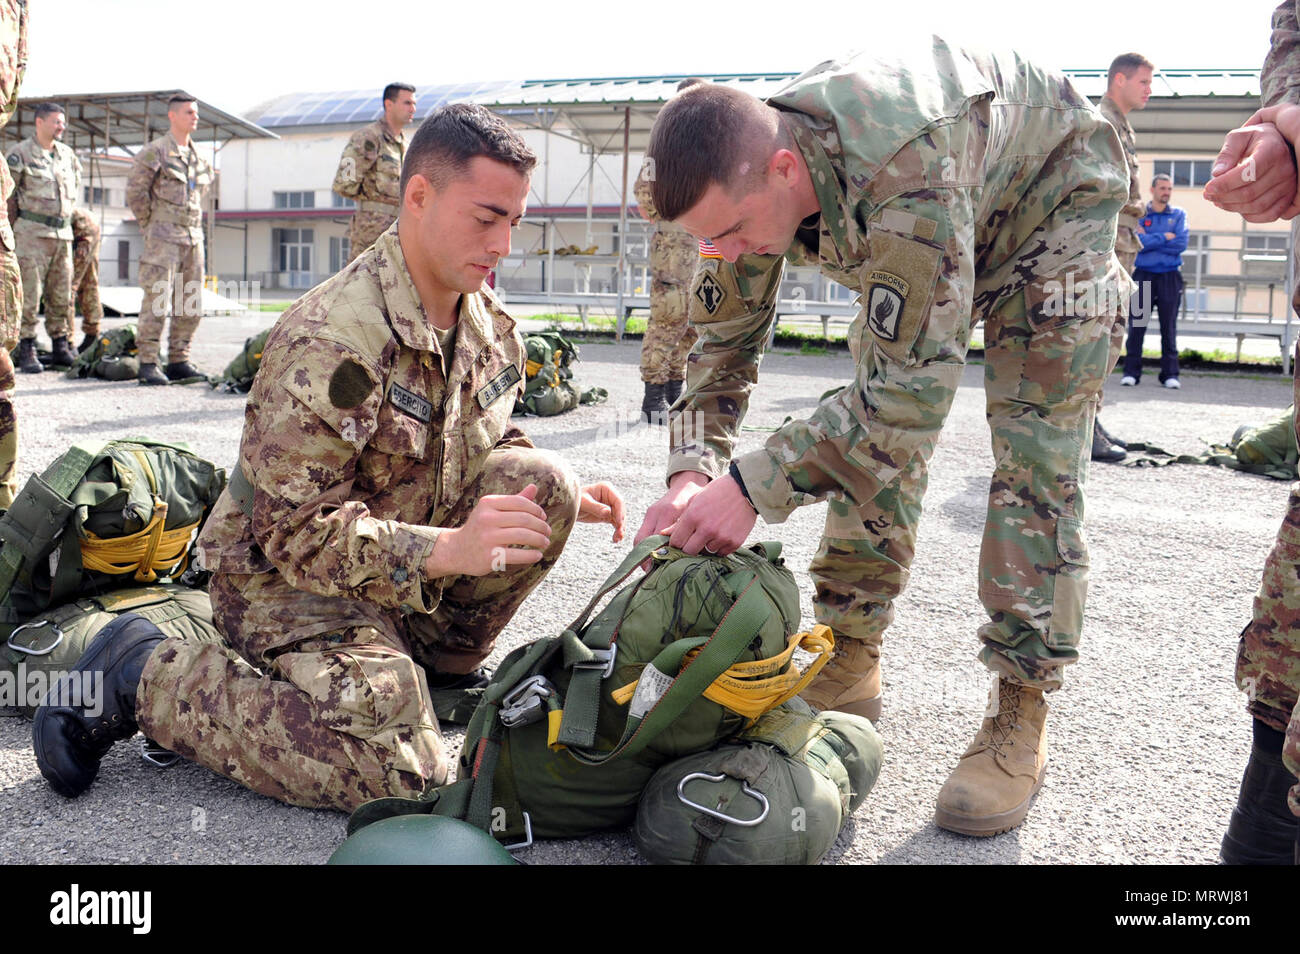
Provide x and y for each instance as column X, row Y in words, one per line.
column 990, row 790
column 850, row 682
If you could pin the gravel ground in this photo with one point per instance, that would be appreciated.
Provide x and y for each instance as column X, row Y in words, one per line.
column 1147, row 739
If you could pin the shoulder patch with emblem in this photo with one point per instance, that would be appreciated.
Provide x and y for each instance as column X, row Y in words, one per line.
column 710, row 293
column 498, row 386
column 885, row 303
column 349, row 385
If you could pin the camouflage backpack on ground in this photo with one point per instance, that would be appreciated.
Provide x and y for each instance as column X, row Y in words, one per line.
column 239, row 374
column 102, row 516
column 550, row 389
column 38, row 651
column 573, row 726
column 112, row 357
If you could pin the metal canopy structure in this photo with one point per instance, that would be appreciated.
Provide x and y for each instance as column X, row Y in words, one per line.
column 126, row 121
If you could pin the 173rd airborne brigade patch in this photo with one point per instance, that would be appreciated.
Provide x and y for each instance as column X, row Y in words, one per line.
column 898, row 282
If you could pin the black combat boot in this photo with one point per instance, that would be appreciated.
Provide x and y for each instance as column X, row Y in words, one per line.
column 1262, row 830
column 1103, row 449
column 149, row 374
column 62, row 355
column 1107, row 436
column 672, row 391
column 87, row 341
column 180, row 370
column 654, row 406
column 27, row 360
column 71, row 739
column 455, row 696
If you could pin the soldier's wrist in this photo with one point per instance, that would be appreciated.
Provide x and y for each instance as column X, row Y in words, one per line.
column 734, row 472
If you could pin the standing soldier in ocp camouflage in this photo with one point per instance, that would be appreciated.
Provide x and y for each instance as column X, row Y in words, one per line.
column 947, row 187
column 668, row 338
column 13, row 63
column 371, row 167
column 165, row 192
column 47, row 180
column 1255, row 175
column 1128, row 87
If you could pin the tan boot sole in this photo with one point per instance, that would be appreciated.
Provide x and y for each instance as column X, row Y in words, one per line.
column 986, row 826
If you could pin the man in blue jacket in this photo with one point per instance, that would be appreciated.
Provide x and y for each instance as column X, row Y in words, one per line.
column 1163, row 234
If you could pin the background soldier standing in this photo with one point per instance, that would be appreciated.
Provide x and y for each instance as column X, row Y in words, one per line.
column 47, row 180
column 85, row 275
column 1255, row 174
column 13, row 63
column 371, row 167
column 668, row 337
column 1128, row 87
column 165, row 191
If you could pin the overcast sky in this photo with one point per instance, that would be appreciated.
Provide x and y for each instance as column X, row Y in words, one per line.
column 237, row 53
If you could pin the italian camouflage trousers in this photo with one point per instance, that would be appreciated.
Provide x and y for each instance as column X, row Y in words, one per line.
column 46, row 266
column 171, row 277
column 1042, row 381
column 365, row 228
column 85, row 274
column 11, row 306
column 1268, row 655
column 324, row 701
column 668, row 338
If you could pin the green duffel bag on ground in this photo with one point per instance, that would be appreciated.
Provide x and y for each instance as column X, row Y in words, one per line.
column 573, row 726
column 239, row 374
column 103, row 516
column 548, row 372
column 112, row 357
column 36, row 652
column 1270, row 446
column 778, row 795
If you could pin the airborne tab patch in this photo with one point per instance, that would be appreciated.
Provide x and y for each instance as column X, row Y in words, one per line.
column 885, row 304
column 498, row 386
column 710, row 293
column 411, row 403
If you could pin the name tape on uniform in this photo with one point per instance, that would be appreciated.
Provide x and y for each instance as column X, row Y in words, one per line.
column 411, row 403
column 498, row 386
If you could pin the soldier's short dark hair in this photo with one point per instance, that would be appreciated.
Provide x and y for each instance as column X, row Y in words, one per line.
column 392, row 89
column 451, row 136
column 688, row 83
column 44, row 109
column 707, row 134
column 1128, row 64
column 179, row 98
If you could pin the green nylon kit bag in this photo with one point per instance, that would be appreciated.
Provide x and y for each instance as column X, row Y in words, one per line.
column 35, row 653
column 239, row 374
column 572, row 727
column 103, row 516
column 779, row 794
column 548, row 372
column 112, row 357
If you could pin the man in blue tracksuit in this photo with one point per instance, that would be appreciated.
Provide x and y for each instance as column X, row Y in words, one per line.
column 1163, row 234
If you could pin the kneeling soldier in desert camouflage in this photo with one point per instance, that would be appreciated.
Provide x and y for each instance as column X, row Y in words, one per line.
column 384, row 523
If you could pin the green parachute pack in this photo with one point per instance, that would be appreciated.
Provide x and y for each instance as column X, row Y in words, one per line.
column 572, row 727
column 549, row 375
column 778, row 795
column 112, row 357
column 37, row 652
column 239, row 374
column 103, row 516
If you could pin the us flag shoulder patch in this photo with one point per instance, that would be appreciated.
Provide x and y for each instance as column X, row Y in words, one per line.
column 707, row 250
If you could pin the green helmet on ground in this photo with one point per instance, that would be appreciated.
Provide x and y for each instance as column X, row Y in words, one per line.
column 420, row 840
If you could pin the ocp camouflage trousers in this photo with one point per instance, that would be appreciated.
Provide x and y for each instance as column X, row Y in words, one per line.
column 171, row 277
column 46, row 266
column 324, row 701
column 11, row 306
column 668, row 338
